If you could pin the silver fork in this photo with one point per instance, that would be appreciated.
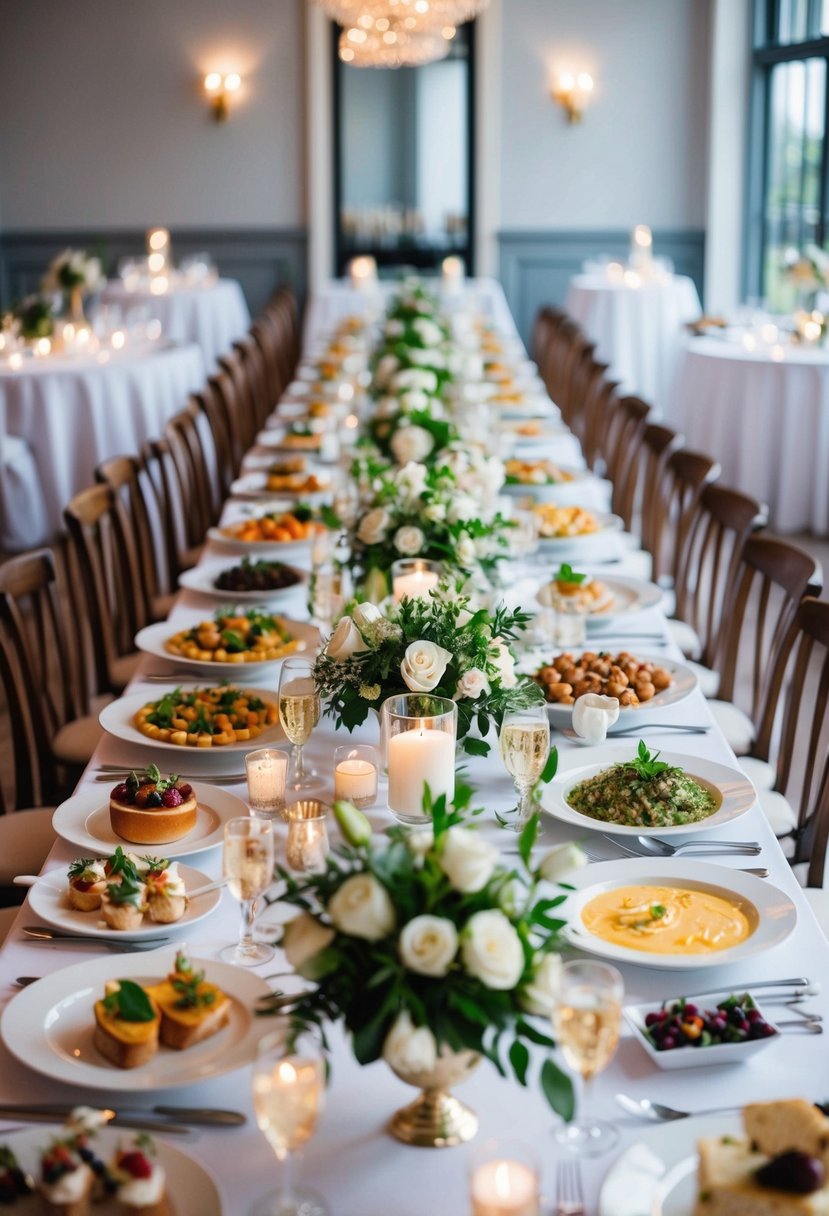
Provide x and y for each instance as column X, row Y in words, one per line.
column 569, row 1189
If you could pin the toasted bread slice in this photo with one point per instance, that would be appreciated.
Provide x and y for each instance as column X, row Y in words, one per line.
column 183, row 1027
column 726, row 1185
column 125, row 1044
column 777, row 1127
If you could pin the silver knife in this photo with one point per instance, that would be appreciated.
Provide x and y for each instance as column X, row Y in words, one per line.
column 208, row 1116
column 40, row 934
column 30, row 1114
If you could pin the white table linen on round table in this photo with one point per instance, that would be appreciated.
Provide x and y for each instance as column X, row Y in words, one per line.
column 75, row 412
column 767, row 422
column 637, row 330
column 213, row 317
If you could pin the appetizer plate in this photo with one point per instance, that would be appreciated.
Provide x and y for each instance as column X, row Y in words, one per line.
column 684, row 681
column 557, row 491
column 49, row 901
column 627, row 597
column 49, row 1026
column 83, row 820
column 117, row 719
column 202, row 579
column 656, row 1175
column 770, row 910
column 260, row 548
column 190, row 1187
column 697, row 1057
column 730, row 785
column 254, row 486
column 151, row 640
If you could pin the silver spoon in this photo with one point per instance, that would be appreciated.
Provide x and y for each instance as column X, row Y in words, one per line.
column 658, row 1112
column 630, row 732
column 663, row 848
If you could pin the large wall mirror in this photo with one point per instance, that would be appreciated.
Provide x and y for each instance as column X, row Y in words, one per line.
column 403, row 146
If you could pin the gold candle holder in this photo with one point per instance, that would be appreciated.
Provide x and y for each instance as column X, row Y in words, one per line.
column 307, row 845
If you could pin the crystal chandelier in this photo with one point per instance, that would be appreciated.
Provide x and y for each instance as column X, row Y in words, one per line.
column 397, row 33
column 390, row 48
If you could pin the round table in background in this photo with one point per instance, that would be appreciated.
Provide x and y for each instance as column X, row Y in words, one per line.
column 213, row 317
column 637, row 328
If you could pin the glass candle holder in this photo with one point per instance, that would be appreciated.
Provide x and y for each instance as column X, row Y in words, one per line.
column 355, row 774
column 504, row 1180
column 414, row 577
column 307, row 845
column 419, row 734
column 267, row 772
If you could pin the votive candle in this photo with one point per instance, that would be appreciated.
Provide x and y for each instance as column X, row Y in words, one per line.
column 267, row 769
column 307, row 845
column 355, row 774
column 414, row 578
column 504, row 1188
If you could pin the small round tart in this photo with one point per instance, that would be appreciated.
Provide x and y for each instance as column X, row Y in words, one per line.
column 148, row 809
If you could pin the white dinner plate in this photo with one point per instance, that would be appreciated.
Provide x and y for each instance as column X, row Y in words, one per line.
column 558, row 491
column 627, row 598
column 49, row 1025
column 202, row 578
column 656, row 1175
column 259, row 548
column 563, row 547
column 117, row 719
column 190, row 1187
column 684, row 681
column 254, row 486
column 151, row 640
column 772, row 912
column 83, row 820
column 48, row 900
column 730, row 785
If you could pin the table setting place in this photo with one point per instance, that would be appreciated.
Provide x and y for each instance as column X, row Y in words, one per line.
column 413, row 831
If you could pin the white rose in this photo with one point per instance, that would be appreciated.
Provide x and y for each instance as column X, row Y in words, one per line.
column 435, row 512
column 429, row 333
column 425, row 358
column 408, row 541
column 465, row 550
column 423, row 665
column 492, row 950
column 411, row 443
column 411, row 479
column 394, row 328
column 364, row 615
column 373, row 526
column 303, row 938
column 467, row 860
column 539, row 995
column 504, row 663
column 471, row 684
column 560, row 860
column 463, row 507
column 415, row 377
column 414, row 399
column 410, row 1048
column 362, row 908
column 420, row 842
column 345, row 641
column 428, row 945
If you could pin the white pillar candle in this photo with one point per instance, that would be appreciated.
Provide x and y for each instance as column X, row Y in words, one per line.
column 363, row 273
column 504, row 1188
column 416, row 585
column 356, row 781
column 267, row 770
column 418, row 758
column 452, row 275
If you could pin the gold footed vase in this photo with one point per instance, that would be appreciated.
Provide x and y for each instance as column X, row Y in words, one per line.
column 76, row 313
column 437, row 1119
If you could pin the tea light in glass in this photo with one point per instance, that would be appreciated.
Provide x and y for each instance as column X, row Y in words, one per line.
column 267, row 771
column 504, row 1180
column 355, row 774
column 307, row 845
column 363, row 273
column 419, row 731
column 43, row 347
column 641, row 247
column 414, row 578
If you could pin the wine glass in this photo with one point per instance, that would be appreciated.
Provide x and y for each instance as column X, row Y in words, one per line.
column 247, row 863
column 586, row 1021
column 288, row 1084
column 525, row 745
column 299, row 711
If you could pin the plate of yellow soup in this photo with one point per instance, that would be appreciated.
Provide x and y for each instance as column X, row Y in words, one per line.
column 678, row 915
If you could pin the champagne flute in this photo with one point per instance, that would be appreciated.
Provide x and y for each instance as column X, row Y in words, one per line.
column 299, row 711
column 525, row 745
column 586, row 1021
column 247, row 863
column 288, row 1085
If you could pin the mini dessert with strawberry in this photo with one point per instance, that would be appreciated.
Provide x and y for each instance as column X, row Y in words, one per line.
column 166, row 894
column 87, row 882
column 147, row 808
column 123, row 903
column 141, row 1181
column 66, row 1180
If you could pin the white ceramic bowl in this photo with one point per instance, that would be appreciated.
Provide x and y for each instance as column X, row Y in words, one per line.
column 697, row 1057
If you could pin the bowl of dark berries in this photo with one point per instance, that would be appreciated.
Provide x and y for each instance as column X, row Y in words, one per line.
column 723, row 1028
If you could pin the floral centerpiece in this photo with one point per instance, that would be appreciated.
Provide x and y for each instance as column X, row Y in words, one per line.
column 74, row 273
column 435, row 645
column 34, row 318
column 809, row 270
column 430, row 952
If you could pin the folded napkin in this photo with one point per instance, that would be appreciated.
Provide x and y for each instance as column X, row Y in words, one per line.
column 593, row 715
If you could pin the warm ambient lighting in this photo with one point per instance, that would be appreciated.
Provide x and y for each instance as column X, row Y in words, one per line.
column 572, row 89
column 218, row 87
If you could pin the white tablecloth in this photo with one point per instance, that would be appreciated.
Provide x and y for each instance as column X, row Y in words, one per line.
column 75, row 412
column 637, row 330
column 767, row 422
column 213, row 317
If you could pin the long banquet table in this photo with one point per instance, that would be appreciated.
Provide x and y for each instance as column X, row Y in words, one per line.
column 350, row 1160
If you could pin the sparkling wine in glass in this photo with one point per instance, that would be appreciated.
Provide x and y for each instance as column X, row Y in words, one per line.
column 587, row 1021
column 247, row 863
column 525, row 745
column 288, row 1089
column 299, row 711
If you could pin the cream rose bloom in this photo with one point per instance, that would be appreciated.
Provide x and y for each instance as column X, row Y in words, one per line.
column 428, row 945
column 414, row 377
column 413, row 399
column 364, row 615
column 429, row 332
column 374, row 526
column 420, row 841
column 463, row 507
column 467, row 860
column 362, row 907
column 492, row 950
column 503, row 661
column 345, row 641
column 435, row 512
column 411, row 443
column 561, row 860
column 465, row 550
column 411, row 479
column 408, row 541
column 303, row 939
column 408, row 1047
column 471, row 684
column 539, row 995
column 423, row 665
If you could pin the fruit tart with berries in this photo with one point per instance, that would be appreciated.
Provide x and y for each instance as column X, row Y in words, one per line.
column 147, row 808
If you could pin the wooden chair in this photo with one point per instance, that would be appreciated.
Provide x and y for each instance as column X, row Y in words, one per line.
column 194, row 453
column 172, row 495
column 227, row 447
column 234, row 386
column 595, row 416
column 639, row 489
column 253, row 363
column 671, row 500
column 132, row 485
column 622, row 450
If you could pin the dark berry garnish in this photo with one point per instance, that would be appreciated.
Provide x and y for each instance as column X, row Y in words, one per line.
column 153, row 799
column 172, row 798
column 121, row 792
column 793, row 1172
column 186, row 791
column 136, row 1164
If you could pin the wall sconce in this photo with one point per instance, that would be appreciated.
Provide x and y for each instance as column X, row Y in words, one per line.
column 571, row 91
column 218, row 87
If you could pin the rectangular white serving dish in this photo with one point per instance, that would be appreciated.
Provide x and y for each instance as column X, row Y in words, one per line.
column 697, row 1057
